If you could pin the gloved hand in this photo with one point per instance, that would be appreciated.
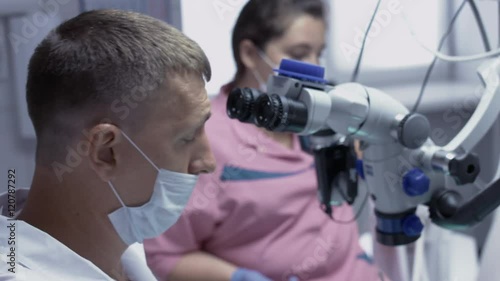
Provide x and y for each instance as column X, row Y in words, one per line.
column 242, row 274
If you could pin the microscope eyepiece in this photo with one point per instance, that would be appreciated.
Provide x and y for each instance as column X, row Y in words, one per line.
column 280, row 114
column 266, row 111
column 273, row 112
column 240, row 104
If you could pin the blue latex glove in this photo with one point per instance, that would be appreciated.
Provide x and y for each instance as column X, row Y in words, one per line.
column 242, row 274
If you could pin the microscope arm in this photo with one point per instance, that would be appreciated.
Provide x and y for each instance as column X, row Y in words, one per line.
column 446, row 210
column 486, row 113
column 456, row 158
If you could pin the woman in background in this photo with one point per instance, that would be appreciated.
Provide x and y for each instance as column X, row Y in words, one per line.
column 258, row 217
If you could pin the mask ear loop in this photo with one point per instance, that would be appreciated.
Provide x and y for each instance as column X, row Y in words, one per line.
column 260, row 80
column 116, row 193
column 140, row 151
column 266, row 59
column 262, row 83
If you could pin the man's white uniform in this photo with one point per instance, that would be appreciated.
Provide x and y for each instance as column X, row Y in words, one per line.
column 38, row 256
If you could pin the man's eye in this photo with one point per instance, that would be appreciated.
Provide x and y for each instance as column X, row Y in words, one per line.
column 189, row 139
column 194, row 135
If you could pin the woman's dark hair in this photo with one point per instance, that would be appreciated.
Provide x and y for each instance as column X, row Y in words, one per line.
column 261, row 21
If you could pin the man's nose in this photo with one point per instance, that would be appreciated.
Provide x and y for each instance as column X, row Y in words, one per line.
column 205, row 163
column 209, row 163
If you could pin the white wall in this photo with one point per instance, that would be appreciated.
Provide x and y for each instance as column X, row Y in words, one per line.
column 389, row 47
column 210, row 24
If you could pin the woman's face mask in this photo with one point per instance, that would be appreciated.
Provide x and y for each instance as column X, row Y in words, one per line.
column 260, row 79
column 303, row 40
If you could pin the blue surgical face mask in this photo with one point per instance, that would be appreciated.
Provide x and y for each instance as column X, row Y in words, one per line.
column 258, row 77
column 171, row 194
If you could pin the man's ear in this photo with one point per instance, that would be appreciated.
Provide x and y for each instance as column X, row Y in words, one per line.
column 104, row 139
column 248, row 54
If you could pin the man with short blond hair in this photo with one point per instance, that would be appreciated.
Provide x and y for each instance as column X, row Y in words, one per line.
column 118, row 103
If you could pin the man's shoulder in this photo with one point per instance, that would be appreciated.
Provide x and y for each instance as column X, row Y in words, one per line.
column 25, row 274
column 10, row 270
column 41, row 257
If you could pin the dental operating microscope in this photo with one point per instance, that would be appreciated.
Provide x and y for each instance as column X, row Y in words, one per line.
column 401, row 165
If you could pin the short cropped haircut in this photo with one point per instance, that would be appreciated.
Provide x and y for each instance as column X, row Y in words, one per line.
column 261, row 21
column 97, row 58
